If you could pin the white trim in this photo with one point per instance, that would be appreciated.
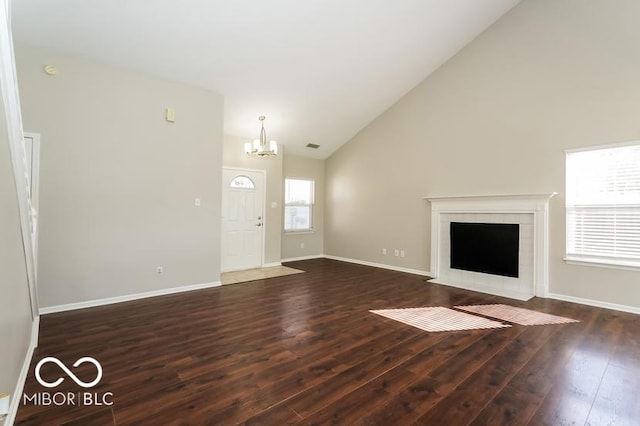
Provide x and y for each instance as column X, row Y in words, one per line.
column 24, row 372
column 486, row 289
column 604, row 146
column 126, row 298
column 35, row 169
column 271, row 264
column 296, row 259
column 581, row 301
column 536, row 204
column 248, row 169
column 380, row 265
column 596, row 303
column 35, row 332
column 603, row 263
column 491, row 197
column 35, row 199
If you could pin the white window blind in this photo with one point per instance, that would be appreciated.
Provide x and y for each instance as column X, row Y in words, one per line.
column 603, row 205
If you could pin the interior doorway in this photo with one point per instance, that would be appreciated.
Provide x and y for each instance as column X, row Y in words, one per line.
column 242, row 219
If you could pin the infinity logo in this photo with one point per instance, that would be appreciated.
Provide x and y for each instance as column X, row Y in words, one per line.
column 68, row 372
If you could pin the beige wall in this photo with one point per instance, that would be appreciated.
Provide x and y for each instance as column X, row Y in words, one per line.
column 15, row 303
column 306, row 168
column 495, row 119
column 234, row 156
column 118, row 182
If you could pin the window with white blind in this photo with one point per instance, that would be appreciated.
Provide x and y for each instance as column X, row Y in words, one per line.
column 603, row 205
column 298, row 205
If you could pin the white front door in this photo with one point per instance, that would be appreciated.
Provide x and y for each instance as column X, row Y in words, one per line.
column 242, row 219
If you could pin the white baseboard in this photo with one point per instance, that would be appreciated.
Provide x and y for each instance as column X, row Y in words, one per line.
column 296, row 259
column 35, row 332
column 380, row 265
column 596, row 303
column 24, row 372
column 126, row 298
column 271, row 264
column 488, row 290
column 579, row 300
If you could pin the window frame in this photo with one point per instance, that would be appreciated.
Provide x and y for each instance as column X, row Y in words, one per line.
column 587, row 259
column 311, row 207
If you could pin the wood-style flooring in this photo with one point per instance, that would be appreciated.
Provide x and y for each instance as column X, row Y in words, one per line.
column 303, row 349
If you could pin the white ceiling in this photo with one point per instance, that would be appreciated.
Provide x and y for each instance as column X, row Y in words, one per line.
column 320, row 70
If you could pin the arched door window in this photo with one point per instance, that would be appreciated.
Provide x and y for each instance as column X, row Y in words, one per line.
column 242, row 182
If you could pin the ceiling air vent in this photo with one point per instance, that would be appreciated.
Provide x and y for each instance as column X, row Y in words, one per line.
column 313, row 146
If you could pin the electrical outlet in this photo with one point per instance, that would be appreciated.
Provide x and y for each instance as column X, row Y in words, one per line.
column 301, row 245
column 159, row 270
column 401, row 253
column 198, row 202
column 396, row 252
column 384, row 251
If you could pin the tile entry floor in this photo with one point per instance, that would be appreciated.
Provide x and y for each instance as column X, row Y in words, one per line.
column 257, row 274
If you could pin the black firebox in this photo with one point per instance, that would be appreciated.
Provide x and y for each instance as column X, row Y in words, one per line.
column 490, row 248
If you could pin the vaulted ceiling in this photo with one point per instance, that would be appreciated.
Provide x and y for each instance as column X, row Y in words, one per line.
column 320, row 70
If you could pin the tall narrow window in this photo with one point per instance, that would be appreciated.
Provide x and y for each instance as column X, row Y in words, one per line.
column 603, row 205
column 298, row 207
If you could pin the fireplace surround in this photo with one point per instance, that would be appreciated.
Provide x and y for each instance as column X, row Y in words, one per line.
column 529, row 211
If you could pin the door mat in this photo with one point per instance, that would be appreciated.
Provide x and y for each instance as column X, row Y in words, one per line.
column 438, row 319
column 516, row 315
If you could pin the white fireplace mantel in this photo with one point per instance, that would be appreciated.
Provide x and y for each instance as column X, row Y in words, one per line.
column 483, row 206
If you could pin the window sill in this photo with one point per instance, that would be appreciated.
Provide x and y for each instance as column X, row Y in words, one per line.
column 603, row 263
column 300, row 232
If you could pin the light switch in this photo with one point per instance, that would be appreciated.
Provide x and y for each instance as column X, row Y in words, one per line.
column 197, row 203
column 274, row 204
column 170, row 115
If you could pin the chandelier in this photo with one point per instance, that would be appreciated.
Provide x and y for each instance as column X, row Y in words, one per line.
column 260, row 147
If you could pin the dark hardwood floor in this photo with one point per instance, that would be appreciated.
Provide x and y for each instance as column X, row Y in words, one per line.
column 304, row 349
